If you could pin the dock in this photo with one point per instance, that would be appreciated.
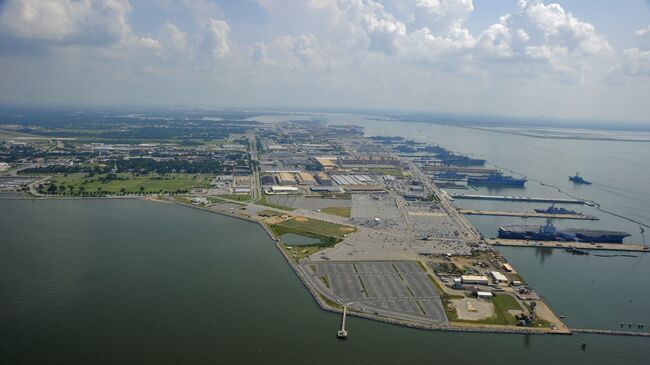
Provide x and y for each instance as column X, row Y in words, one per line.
column 610, row 332
column 342, row 333
column 627, row 247
column 522, row 199
column 505, row 213
column 466, row 170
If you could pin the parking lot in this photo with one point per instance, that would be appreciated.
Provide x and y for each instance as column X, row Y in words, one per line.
column 397, row 289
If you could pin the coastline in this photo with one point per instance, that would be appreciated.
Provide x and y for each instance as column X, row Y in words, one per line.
column 321, row 300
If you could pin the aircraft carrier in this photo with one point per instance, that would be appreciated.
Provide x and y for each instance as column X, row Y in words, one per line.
column 549, row 232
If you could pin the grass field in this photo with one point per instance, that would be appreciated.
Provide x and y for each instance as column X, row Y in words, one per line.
column 386, row 171
column 329, row 234
column 237, row 197
column 129, row 183
column 319, row 227
column 340, row 211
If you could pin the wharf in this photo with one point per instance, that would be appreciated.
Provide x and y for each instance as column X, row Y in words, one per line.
column 628, row 247
column 610, row 332
column 523, row 199
column 467, row 170
column 506, row 213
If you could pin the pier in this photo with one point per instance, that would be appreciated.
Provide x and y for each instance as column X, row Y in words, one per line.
column 628, row 247
column 342, row 333
column 610, row 332
column 505, row 213
column 522, row 199
column 466, row 170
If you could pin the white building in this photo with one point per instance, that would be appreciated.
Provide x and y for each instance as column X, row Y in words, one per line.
column 483, row 294
column 475, row 279
column 499, row 277
column 282, row 190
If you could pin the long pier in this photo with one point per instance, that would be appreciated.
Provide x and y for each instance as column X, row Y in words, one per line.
column 628, row 247
column 506, row 213
column 523, row 199
column 610, row 332
column 467, row 170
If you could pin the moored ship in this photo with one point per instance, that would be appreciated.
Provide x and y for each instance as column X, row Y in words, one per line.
column 553, row 210
column 549, row 232
column 496, row 179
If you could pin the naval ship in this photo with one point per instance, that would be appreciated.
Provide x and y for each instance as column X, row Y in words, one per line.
column 577, row 179
column 549, row 232
column 553, row 210
column 496, row 179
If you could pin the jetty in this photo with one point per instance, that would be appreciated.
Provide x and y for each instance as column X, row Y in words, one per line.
column 506, row 213
column 342, row 333
column 466, row 170
column 610, row 332
column 523, row 199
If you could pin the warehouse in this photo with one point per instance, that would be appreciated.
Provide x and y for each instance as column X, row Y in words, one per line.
column 475, row 279
column 285, row 178
column 282, row 190
column 305, row 178
column 499, row 277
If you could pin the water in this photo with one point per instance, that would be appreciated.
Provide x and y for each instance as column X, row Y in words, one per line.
column 141, row 282
column 620, row 171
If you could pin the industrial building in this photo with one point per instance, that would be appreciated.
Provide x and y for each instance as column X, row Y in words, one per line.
column 325, row 189
column 323, row 179
column 282, row 190
column 475, row 279
column 305, row 178
column 285, row 178
column 499, row 277
column 268, row 180
column 325, row 162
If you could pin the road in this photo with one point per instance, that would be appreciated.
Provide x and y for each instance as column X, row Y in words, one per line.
column 256, row 187
column 470, row 232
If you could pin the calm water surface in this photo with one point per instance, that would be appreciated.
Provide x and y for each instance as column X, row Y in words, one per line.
column 91, row 281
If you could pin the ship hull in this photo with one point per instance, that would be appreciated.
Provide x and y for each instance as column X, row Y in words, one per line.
column 534, row 233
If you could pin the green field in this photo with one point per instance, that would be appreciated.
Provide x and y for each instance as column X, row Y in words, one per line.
column 237, row 197
column 84, row 184
column 319, row 227
column 340, row 211
column 503, row 303
column 329, row 234
column 386, row 171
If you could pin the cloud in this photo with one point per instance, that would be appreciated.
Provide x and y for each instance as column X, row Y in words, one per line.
column 637, row 62
column 643, row 37
column 446, row 8
column 94, row 22
column 216, row 38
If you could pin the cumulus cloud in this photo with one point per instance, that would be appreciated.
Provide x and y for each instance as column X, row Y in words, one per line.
column 66, row 21
column 643, row 37
column 216, row 38
column 445, row 8
column 637, row 62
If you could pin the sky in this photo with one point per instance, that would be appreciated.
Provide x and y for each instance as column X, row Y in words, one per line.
column 574, row 59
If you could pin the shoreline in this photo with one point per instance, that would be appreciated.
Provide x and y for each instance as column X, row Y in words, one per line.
column 318, row 297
